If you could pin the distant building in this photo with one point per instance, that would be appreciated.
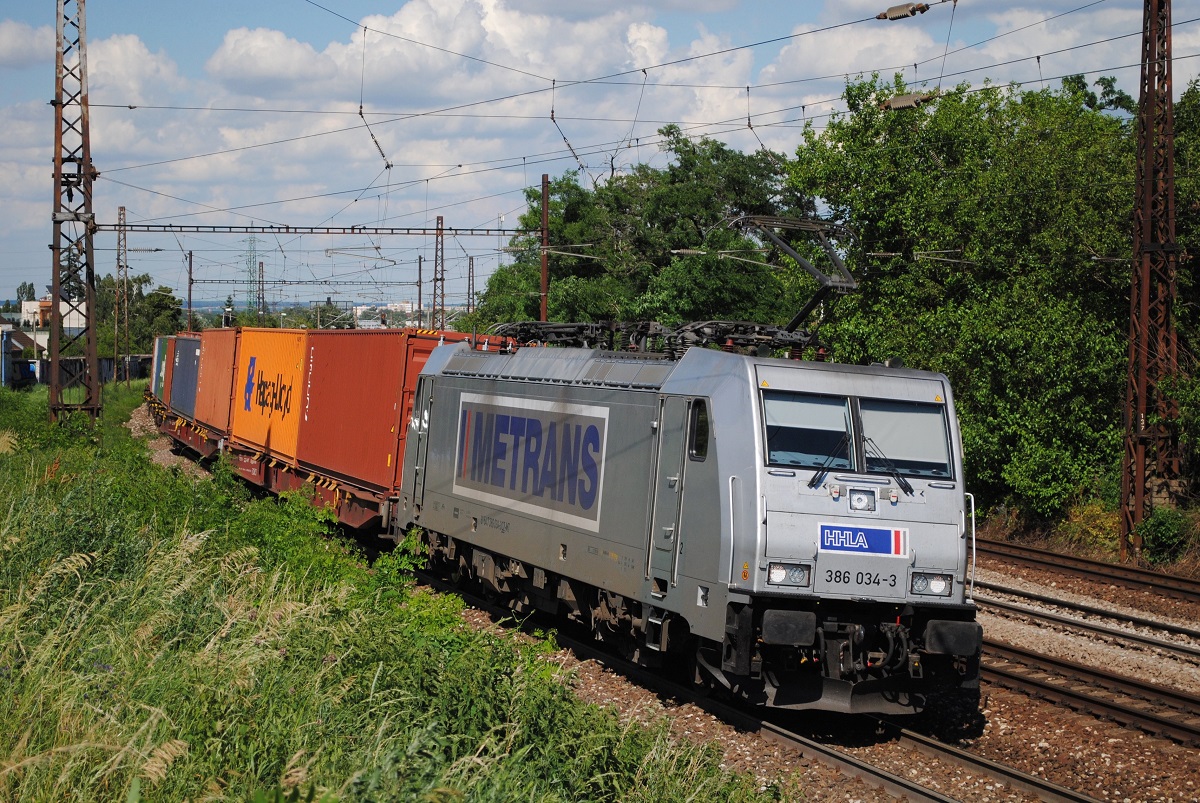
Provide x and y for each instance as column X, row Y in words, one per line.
column 36, row 314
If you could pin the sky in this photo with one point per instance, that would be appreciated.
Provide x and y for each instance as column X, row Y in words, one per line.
column 222, row 112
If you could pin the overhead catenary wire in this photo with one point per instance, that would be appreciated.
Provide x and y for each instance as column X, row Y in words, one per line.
column 577, row 157
column 451, row 111
column 731, row 123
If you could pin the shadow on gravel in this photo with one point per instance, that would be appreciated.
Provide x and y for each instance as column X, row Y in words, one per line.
column 951, row 718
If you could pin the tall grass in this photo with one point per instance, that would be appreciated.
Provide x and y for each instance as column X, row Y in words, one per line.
column 167, row 638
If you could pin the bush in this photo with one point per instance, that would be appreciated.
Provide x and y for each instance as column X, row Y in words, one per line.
column 1165, row 535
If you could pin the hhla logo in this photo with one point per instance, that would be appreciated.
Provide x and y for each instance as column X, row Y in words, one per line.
column 269, row 395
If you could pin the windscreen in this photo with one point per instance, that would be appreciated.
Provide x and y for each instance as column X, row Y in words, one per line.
column 907, row 437
column 806, row 430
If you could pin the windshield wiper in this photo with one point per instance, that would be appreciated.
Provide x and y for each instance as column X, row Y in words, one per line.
column 834, row 453
column 873, row 450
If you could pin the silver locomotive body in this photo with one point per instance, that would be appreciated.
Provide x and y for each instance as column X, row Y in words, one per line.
column 796, row 530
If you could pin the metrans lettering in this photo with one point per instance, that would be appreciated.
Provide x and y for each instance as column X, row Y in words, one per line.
column 269, row 395
column 538, row 457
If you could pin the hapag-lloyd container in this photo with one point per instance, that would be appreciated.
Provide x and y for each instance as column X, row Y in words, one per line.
column 185, row 367
column 214, row 391
column 268, row 390
column 358, row 395
column 159, row 371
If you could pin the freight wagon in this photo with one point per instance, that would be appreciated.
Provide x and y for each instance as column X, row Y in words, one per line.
column 293, row 409
column 795, row 532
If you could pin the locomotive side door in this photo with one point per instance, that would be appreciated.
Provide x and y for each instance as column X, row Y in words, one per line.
column 418, row 437
column 663, row 548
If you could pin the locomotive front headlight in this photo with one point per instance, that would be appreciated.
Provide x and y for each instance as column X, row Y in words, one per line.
column 862, row 501
column 789, row 574
column 935, row 585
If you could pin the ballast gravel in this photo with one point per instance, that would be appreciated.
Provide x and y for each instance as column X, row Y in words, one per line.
column 1098, row 758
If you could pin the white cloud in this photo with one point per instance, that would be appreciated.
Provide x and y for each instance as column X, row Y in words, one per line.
column 22, row 45
column 267, row 63
column 648, row 44
column 121, row 69
column 503, row 145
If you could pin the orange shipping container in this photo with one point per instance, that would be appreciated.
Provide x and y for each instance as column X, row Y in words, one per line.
column 214, row 393
column 358, row 397
column 268, row 390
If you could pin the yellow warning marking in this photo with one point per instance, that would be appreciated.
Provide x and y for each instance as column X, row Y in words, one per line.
column 764, row 384
column 937, row 397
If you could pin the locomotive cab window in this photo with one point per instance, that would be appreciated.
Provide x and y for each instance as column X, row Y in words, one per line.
column 905, row 437
column 808, row 430
column 698, row 430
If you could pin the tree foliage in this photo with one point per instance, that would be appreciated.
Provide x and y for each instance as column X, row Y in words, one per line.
column 994, row 239
column 628, row 233
column 152, row 312
column 993, row 244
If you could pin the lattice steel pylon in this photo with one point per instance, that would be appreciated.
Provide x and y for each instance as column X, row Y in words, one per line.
column 1152, row 466
column 74, row 383
column 438, row 319
column 121, row 295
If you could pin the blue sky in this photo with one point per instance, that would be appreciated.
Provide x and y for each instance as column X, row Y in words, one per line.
column 230, row 78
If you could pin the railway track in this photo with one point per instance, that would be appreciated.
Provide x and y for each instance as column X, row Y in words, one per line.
column 1157, row 710
column 1181, row 588
column 848, row 765
column 1091, row 627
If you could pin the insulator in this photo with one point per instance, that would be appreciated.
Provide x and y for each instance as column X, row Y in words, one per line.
column 909, row 101
column 903, row 11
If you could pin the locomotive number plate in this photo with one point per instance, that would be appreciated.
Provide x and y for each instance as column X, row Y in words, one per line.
column 858, row 577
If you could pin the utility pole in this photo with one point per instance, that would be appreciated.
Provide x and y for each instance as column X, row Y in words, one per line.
column 420, row 282
column 121, row 296
column 1152, row 465
column 438, row 319
column 470, row 284
column 545, row 242
column 190, row 283
column 75, row 385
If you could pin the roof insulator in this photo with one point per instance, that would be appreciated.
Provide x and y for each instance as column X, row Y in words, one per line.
column 910, row 101
column 903, row 11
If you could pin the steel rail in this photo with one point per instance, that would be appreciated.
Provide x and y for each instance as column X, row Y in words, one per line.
column 1094, row 691
column 1133, row 577
column 1083, row 624
column 1044, row 789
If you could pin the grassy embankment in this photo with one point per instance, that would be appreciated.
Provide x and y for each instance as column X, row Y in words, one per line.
column 170, row 638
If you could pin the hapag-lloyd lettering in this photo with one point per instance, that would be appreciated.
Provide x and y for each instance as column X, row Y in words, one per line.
column 270, row 396
column 546, row 458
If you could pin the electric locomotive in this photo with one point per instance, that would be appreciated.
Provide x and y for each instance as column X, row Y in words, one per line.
column 796, row 532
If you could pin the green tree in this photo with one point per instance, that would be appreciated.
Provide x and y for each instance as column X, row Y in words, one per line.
column 616, row 248
column 26, row 292
column 987, row 223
